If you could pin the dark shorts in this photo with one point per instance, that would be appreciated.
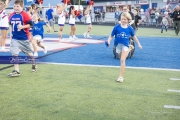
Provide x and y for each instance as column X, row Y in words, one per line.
column 4, row 28
column 61, row 24
column 72, row 24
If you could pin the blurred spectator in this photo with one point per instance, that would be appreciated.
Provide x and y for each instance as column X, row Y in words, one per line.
column 152, row 16
column 170, row 17
column 95, row 16
column 103, row 16
column 176, row 19
column 157, row 17
column 138, row 19
column 99, row 17
column 146, row 14
column 116, row 16
column 50, row 17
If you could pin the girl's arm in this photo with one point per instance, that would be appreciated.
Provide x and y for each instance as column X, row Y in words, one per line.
column 7, row 4
column 49, row 28
column 87, row 9
column 109, row 39
column 59, row 10
column 137, row 41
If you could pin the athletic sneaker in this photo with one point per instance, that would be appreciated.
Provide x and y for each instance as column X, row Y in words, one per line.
column 3, row 49
column 74, row 37
column 71, row 39
column 88, row 36
column 61, row 40
column 120, row 79
column 14, row 73
column 85, row 35
column 34, row 68
column 35, row 54
column 45, row 49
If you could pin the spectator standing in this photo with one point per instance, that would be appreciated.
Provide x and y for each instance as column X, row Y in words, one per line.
column 116, row 16
column 176, row 19
column 146, row 14
column 157, row 17
column 103, row 16
column 50, row 17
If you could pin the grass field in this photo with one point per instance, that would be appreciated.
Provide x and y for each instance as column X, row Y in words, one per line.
column 65, row 92
column 88, row 93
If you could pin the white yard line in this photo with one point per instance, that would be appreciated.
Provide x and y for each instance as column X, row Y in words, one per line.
column 89, row 65
column 169, row 90
column 172, row 106
column 174, row 78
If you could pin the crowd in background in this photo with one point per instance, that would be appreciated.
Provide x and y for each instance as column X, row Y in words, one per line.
column 151, row 16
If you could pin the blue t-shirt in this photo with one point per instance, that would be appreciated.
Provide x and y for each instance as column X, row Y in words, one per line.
column 122, row 35
column 38, row 29
column 49, row 14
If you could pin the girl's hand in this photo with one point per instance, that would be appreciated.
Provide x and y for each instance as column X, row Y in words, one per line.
column 49, row 30
column 140, row 47
column 108, row 42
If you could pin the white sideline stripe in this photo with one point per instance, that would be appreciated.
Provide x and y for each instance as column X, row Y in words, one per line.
column 90, row 65
column 172, row 106
column 174, row 78
column 169, row 90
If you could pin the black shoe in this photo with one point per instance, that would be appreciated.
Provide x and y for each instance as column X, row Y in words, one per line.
column 161, row 31
column 14, row 73
column 55, row 31
column 34, row 68
column 166, row 30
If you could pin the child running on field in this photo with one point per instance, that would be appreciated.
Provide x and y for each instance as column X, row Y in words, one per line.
column 164, row 24
column 37, row 32
column 122, row 33
column 20, row 22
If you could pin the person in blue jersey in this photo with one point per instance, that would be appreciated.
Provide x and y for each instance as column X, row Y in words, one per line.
column 20, row 22
column 122, row 33
column 37, row 32
column 50, row 17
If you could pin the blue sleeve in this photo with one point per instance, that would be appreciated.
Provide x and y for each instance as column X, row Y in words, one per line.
column 113, row 31
column 43, row 23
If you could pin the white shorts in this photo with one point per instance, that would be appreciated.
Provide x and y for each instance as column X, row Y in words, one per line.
column 38, row 38
column 121, row 47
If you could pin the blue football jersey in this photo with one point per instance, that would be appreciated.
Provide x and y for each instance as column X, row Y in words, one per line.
column 22, row 18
